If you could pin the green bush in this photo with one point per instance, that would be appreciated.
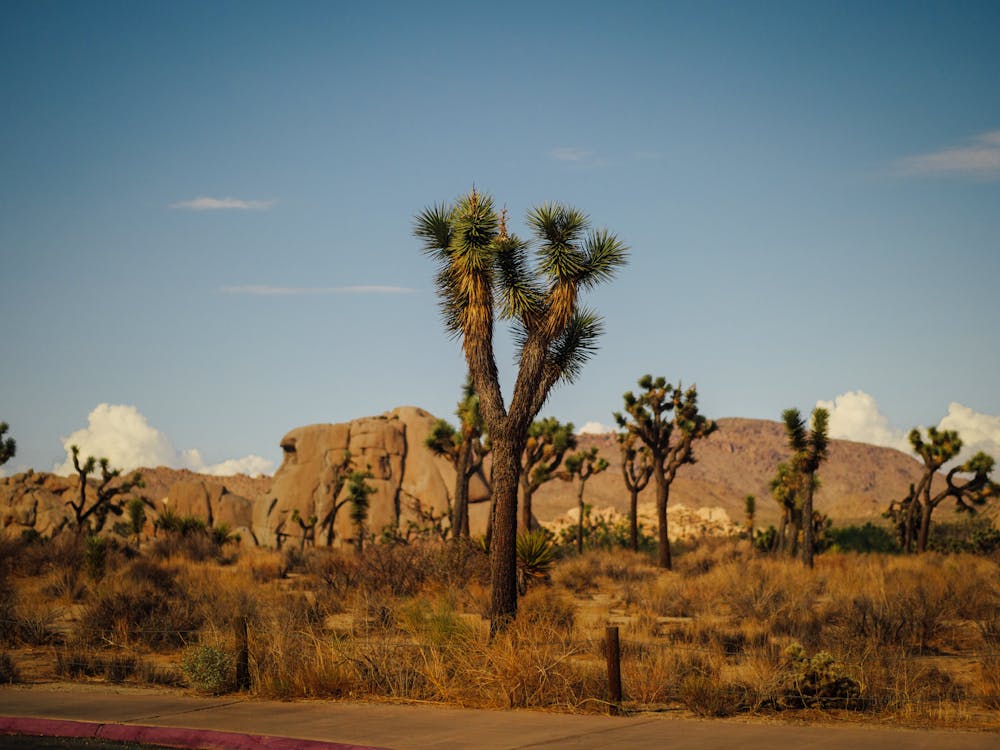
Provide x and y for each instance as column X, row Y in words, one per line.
column 536, row 554
column 867, row 538
column 976, row 535
column 209, row 669
column 817, row 681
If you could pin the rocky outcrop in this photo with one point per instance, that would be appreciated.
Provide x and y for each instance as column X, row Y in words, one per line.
column 38, row 501
column 34, row 501
column 211, row 502
column 407, row 478
column 682, row 522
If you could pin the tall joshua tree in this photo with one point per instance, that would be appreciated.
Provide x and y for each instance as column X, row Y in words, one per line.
column 465, row 449
column 485, row 273
column 105, row 501
column 670, row 440
column 358, row 491
column 785, row 490
column 582, row 466
column 8, row 446
column 637, row 468
column 809, row 450
column 548, row 441
column 750, row 513
column 940, row 447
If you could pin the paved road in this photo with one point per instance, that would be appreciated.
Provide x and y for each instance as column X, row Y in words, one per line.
column 430, row 727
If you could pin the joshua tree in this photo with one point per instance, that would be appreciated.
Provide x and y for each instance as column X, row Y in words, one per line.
column 358, row 491
column 905, row 517
column 940, row 447
column 465, row 449
column 328, row 518
column 105, row 502
column 809, row 451
column 637, row 468
column 669, row 440
column 137, row 515
column 485, row 273
column 785, row 491
column 8, row 446
column 750, row 510
column 548, row 441
column 582, row 465
column 308, row 528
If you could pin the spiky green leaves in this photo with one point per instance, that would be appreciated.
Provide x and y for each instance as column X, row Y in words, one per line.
column 938, row 449
column 518, row 295
column 358, row 492
column 567, row 253
column 88, row 465
column 647, row 415
column 433, row 226
column 584, row 464
column 548, row 440
column 666, row 419
column 809, row 447
column 487, row 272
column 443, row 440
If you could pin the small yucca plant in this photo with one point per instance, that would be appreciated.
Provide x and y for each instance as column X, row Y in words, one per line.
column 535, row 556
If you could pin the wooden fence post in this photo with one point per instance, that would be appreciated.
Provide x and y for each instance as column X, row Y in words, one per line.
column 613, row 653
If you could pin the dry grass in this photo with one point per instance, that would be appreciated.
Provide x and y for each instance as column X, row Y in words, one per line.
column 911, row 639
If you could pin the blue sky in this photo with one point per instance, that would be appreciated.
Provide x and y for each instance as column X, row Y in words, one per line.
column 811, row 192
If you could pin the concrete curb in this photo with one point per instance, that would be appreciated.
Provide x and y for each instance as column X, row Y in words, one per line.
column 193, row 739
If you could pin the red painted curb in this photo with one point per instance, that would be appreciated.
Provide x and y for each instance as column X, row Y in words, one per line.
column 194, row 739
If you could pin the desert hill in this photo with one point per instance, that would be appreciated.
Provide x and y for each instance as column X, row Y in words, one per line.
column 857, row 481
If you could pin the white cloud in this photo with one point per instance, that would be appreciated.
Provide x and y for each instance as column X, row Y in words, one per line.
column 205, row 203
column 980, row 157
column 855, row 416
column 122, row 434
column 266, row 290
column 252, row 465
column 594, row 428
column 979, row 432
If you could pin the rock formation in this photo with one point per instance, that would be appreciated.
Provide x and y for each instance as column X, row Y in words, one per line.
column 407, row 476
column 37, row 501
column 213, row 503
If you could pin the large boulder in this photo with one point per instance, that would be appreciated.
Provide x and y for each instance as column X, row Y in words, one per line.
column 408, row 478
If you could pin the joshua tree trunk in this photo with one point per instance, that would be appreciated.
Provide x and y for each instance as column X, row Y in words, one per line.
column 925, row 526
column 778, row 543
column 527, row 520
column 633, row 521
column 579, row 522
column 460, row 513
column 662, row 497
column 807, row 524
column 503, row 547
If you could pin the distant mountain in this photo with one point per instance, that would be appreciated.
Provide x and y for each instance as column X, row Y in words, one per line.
column 856, row 482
